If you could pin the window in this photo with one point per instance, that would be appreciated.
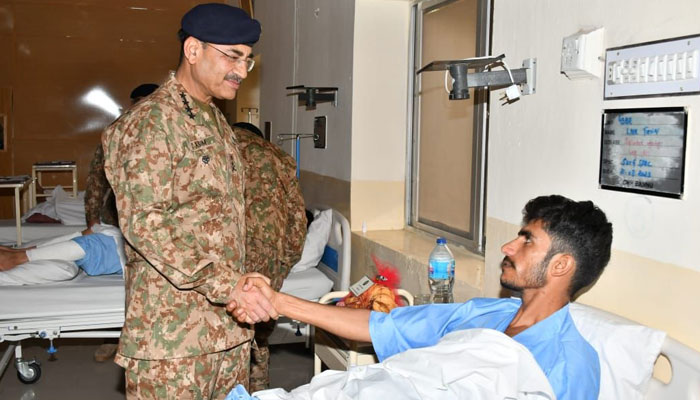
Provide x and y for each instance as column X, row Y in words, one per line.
column 447, row 159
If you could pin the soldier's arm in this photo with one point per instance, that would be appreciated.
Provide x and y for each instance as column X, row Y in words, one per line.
column 96, row 188
column 139, row 163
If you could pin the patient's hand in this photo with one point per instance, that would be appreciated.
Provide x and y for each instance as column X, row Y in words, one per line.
column 254, row 283
column 252, row 304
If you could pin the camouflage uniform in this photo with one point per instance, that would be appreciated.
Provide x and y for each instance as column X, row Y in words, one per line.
column 178, row 181
column 216, row 374
column 100, row 204
column 275, row 225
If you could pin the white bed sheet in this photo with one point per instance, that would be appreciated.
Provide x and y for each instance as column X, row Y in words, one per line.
column 84, row 302
column 31, row 232
column 467, row 364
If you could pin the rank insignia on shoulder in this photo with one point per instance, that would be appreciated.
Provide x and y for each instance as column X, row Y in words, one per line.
column 205, row 159
column 188, row 108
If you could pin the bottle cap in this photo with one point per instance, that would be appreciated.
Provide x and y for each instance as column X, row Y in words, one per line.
column 441, row 240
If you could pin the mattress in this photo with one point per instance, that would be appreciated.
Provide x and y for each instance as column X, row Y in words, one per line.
column 309, row 284
column 85, row 302
column 31, row 232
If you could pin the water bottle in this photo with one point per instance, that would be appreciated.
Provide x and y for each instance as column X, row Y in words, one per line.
column 441, row 272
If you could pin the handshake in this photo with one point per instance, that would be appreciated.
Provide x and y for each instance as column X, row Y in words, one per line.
column 254, row 300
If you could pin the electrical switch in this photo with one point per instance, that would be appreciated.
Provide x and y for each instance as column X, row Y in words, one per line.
column 692, row 62
column 671, row 67
column 656, row 68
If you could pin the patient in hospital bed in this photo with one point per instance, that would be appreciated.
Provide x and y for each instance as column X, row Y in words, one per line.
column 562, row 247
column 98, row 250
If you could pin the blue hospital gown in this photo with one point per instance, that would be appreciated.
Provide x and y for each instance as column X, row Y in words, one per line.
column 566, row 358
column 101, row 256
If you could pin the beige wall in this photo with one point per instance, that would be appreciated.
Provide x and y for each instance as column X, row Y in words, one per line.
column 321, row 190
column 408, row 251
column 550, row 143
column 380, row 101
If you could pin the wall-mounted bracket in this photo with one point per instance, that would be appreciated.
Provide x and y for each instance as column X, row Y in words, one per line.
column 463, row 80
column 312, row 95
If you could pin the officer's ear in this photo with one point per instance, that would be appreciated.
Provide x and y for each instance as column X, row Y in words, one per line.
column 192, row 49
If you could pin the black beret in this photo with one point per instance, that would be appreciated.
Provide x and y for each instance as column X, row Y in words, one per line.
column 143, row 90
column 219, row 23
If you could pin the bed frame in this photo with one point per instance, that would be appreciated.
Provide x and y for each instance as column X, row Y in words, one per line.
column 335, row 264
column 685, row 373
column 85, row 307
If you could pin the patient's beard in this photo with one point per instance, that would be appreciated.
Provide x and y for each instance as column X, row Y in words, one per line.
column 536, row 278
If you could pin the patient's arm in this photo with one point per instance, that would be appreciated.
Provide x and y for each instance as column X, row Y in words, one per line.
column 349, row 323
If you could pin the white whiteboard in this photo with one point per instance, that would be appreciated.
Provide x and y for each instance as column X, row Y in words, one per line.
column 643, row 150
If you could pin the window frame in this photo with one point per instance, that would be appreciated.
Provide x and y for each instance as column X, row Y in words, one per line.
column 475, row 239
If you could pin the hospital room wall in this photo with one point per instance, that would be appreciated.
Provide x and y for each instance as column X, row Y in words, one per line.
column 67, row 70
column 550, row 143
column 309, row 42
column 379, row 122
column 361, row 47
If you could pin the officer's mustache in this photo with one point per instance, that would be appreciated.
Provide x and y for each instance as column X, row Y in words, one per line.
column 233, row 77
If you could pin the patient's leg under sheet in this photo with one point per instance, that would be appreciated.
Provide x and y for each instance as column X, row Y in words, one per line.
column 469, row 364
column 41, row 271
column 64, row 251
column 51, row 261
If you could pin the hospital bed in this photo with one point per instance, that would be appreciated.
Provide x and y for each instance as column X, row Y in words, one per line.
column 93, row 307
column 60, row 206
column 628, row 353
column 33, row 231
column 84, row 307
column 331, row 273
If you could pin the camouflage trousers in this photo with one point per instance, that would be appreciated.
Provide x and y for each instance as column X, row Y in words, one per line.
column 260, row 357
column 209, row 376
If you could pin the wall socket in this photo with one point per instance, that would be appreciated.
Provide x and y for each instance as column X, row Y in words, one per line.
column 581, row 54
column 320, row 132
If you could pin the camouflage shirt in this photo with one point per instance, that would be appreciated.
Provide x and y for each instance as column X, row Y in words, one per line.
column 275, row 217
column 178, row 180
column 99, row 198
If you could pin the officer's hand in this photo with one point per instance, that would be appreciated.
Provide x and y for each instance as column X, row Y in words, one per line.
column 255, row 283
column 251, row 299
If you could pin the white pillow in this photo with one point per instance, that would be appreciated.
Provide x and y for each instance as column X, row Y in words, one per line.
column 47, row 207
column 316, row 240
column 626, row 350
column 70, row 210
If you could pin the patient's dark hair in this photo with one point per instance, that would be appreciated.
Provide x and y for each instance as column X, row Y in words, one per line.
column 575, row 227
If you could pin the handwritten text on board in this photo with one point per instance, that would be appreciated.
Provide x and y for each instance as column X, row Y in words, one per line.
column 643, row 150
